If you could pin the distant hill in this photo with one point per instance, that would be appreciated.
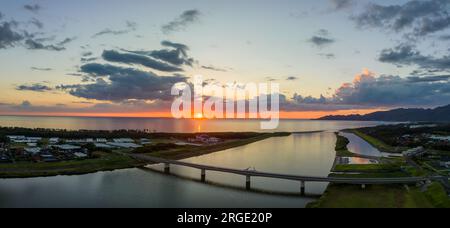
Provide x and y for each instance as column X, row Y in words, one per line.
column 440, row 114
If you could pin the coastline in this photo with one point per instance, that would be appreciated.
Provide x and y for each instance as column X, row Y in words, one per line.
column 114, row 161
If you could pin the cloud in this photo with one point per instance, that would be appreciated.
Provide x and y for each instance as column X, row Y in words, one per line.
column 369, row 91
column 322, row 38
column 406, row 55
column 127, row 58
column 41, row 69
column 130, row 26
column 37, row 87
column 328, row 55
column 185, row 19
column 177, row 56
column 8, row 36
column 123, row 84
column 66, row 41
column 37, row 23
column 341, row 4
column 33, row 8
column 291, row 78
column 35, row 45
column 417, row 18
column 213, row 68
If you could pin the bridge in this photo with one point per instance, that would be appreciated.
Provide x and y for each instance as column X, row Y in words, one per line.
column 302, row 179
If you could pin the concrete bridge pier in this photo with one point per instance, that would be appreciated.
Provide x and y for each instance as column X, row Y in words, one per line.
column 203, row 175
column 303, row 188
column 167, row 168
column 247, row 183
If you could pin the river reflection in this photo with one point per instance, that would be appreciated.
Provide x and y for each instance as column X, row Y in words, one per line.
column 299, row 154
column 360, row 146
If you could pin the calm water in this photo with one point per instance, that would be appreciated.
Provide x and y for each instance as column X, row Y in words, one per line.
column 172, row 125
column 299, row 154
column 360, row 146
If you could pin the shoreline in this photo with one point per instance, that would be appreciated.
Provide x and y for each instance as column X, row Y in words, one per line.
column 69, row 168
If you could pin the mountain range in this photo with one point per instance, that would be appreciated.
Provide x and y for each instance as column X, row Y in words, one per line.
column 440, row 114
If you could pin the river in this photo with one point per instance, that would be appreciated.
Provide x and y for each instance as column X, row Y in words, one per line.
column 309, row 154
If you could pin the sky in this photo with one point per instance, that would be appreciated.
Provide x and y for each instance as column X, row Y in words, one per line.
column 117, row 58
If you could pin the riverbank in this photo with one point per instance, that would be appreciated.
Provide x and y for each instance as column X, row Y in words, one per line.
column 104, row 162
column 110, row 161
column 189, row 151
column 431, row 195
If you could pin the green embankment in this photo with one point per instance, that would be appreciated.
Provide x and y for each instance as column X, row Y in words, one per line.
column 381, row 146
column 379, row 196
column 104, row 162
column 382, row 196
column 182, row 152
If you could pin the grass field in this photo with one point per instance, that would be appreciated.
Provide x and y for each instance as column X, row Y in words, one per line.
column 104, row 162
column 381, row 146
column 192, row 151
column 382, row 196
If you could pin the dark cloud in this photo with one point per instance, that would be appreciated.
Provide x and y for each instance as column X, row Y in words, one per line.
column 292, row 78
column 123, row 84
column 8, row 36
column 177, row 56
column 86, row 54
column 341, row 4
column 66, row 41
column 213, row 68
column 85, row 60
column 32, row 8
column 37, row 23
column 41, row 69
column 37, row 87
column 439, row 78
column 35, row 45
column 110, row 32
column 130, row 26
column 127, row 58
column 418, row 18
column 369, row 91
column 185, row 19
column 407, row 55
column 322, row 38
column 328, row 55
column 321, row 41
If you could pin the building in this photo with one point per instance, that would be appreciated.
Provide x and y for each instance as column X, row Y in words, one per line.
column 103, row 146
column 33, row 150
column 124, row 145
column 101, row 140
column 204, row 139
column 53, row 140
column 415, row 152
column 23, row 139
column 67, row 147
column 123, row 140
column 145, row 141
column 80, row 155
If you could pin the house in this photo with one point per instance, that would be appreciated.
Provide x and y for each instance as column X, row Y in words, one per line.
column 145, row 141
column 80, row 155
column 124, row 145
column 32, row 144
column 53, row 140
column 47, row 157
column 33, row 150
column 415, row 152
column 103, row 146
column 205, row 139
column 101, row 140
column 123, row 140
